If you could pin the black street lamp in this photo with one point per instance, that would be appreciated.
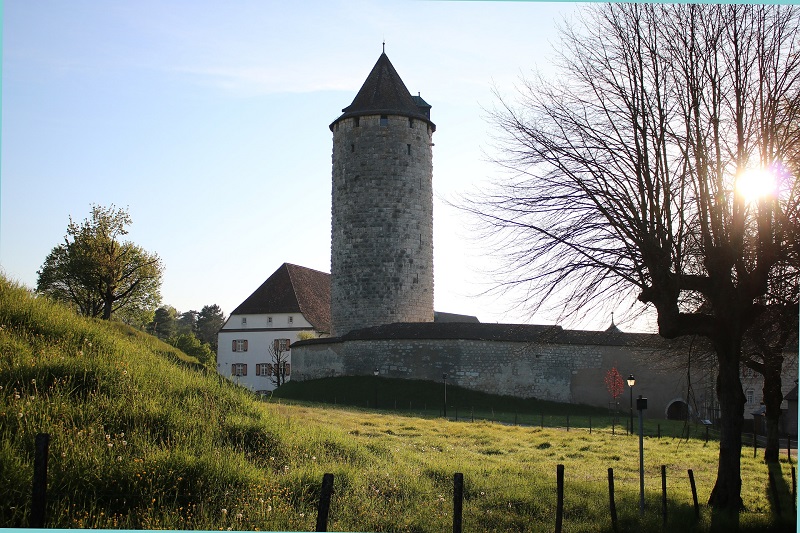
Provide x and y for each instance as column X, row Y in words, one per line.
column 375, row 373
column 631, row 383
column 444, row 379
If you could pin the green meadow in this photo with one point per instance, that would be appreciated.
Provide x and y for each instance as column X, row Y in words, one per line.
column 144, row 437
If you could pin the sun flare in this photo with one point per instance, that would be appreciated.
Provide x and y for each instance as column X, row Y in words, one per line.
column 756, row 183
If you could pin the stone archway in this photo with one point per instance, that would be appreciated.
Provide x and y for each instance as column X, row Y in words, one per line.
column 677, row 410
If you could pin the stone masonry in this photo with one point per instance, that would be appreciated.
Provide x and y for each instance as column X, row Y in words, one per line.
column 382, row 221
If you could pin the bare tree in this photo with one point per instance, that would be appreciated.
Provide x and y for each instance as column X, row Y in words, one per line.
column 279, row 352
column 622, row 177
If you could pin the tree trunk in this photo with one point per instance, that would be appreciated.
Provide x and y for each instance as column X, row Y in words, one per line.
column 773, row 396
column 726, row 495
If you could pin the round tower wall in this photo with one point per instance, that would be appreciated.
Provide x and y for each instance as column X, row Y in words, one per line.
column 382, row 222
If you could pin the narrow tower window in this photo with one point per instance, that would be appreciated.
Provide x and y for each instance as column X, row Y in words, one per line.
column 384, row 120
column 408, row 148
column 410, row 122
column 352, row 147
column 355, row 121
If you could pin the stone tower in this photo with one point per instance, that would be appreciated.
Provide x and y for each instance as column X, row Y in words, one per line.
column 382, row 214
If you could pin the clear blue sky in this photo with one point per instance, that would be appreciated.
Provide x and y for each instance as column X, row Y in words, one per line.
column 209, row 121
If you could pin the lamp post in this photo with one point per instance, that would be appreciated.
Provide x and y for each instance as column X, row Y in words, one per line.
column 444, row 379
column 631, row 383
column 375, row 373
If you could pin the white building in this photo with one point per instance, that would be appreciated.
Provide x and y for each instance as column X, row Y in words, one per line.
column 291, row 304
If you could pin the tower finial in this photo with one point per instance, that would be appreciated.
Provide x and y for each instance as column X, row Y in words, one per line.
column 612, row 318
column 384, row 46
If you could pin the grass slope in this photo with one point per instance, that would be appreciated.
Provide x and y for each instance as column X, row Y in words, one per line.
column 142, row 437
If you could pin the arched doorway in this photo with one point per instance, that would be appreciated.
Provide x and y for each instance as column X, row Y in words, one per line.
column 678, row 410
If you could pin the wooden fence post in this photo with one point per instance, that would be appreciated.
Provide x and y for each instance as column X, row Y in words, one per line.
column 755, row 445
column 458, row 501
column 590, row 425
column 567, row 422
column 794, row 486
column 559, row 497
column 664, row 494
column 324, row 502
column 39, row 502
column 694, row 494
column 612, row 507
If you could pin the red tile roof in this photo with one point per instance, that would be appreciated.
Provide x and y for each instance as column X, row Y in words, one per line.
column 293, row 289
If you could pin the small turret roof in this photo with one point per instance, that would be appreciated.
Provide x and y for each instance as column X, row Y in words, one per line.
column 384, row 93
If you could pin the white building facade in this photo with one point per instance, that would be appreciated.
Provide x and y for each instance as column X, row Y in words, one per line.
column 255, row 342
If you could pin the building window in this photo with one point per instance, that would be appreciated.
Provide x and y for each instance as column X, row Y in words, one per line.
column 239, row 369
column 282, row 345
column 276, row 369
column 269, row 321
column 355, row 122
column 751, row 397
column 352, row 147
column 240, row 345
column 291, row 320
column 384, row 120
column 410, row 122
column 408, row 149
column 263, row 369
column 747, row 372
column 244, row 321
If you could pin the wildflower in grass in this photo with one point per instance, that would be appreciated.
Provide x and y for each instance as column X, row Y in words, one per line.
column 238, row 516
column 224, row 511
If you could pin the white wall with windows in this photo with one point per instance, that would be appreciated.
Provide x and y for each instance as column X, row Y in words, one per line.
column 244, row 355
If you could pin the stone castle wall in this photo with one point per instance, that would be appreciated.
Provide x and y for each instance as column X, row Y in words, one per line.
column 382, row 222
column 557, row 372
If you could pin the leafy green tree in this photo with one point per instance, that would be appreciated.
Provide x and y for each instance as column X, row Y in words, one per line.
column 165, row 322
column 209, row 321
column 186, row 323
column 99, row 274
column 191, row 345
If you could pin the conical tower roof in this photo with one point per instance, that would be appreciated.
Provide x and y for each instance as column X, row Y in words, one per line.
column 384, row 93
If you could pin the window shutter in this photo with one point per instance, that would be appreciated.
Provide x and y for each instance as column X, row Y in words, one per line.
column 244, row 369
column 258, row 370
column 245, row 346
column 234, row 346
column 288, row 343
column 287, row 367
column 276, row 345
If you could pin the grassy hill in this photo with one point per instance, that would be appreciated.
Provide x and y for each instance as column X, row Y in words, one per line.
column 144, row 437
